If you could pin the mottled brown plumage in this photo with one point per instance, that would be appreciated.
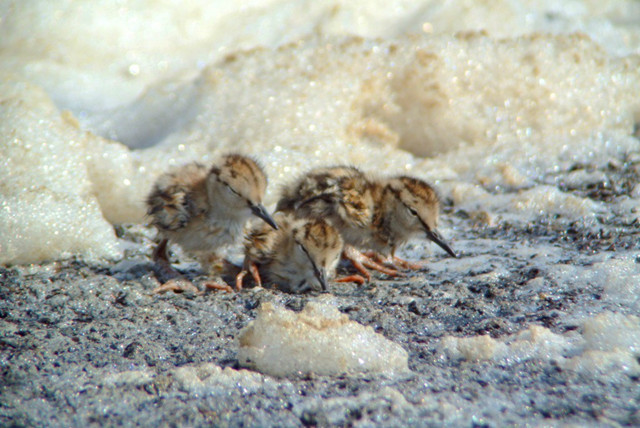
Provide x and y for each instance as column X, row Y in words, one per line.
column 300, row 256
column 342, row 194
column 205, row 209
column 376, row 214
column 406, row 207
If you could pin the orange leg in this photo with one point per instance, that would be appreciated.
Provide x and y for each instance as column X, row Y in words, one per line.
column 358, row 279
column 255, row 273
column 405, row 264
column 239, row 277
column 361, row 262
column 394, row 261
column 177, row 285
column 216, row 286
column 215, row 266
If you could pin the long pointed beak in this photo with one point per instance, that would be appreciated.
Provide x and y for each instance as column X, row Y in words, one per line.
column 437, row 238
column 321, row 275
column 260, row 211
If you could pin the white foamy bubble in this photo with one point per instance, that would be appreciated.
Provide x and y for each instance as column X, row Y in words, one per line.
column 611, row 330
column 475, row 348
column 48, row 209
column 617, row 276
column 534, row 342
column 620, row 278
column 547, row 200
column 610, row 345
column 209, row 378
column 606, row 344
column 318, row 340
column 537, row 342
column 583, row 177
column 596, row 363
column 128, row 378
column 468, row 195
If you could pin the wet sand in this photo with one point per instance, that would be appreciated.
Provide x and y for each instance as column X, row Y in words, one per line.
column 85, row 343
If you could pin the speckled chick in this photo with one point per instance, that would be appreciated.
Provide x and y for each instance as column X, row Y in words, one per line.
column 300, row 256
column 203, row 209
column 378, row 215
column 341, row 193
column 406, row 207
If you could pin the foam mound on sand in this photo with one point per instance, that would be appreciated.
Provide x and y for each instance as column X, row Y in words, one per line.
column 318, row 340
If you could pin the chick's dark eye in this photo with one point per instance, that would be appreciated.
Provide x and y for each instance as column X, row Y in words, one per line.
column 231, row 190
column 412, row 211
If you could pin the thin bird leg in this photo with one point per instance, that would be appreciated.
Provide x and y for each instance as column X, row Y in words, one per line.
column 160, row 252
column 393, row 261
column 250, row 268
column 356, row 263
column 358, row 279
column 161, row 258
column 171, row 279
column 239, row 277
column 255, row 273
column 361, row 262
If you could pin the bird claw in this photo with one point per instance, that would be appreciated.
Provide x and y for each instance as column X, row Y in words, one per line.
column 361, row 262
column 177, row 285
column 210, row 285
column 394, row 262
column 358, row 279
column 405, row 264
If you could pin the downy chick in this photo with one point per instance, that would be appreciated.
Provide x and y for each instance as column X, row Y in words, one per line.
column 406, row 207
column 300, row 256
column 378, row 215
column 204, row 209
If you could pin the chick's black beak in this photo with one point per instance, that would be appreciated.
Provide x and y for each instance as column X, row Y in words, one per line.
column 260, row 211
column 321, row 275
column 437, row 238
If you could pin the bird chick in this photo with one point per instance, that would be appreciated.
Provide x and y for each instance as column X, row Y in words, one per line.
column 372, row 214
column 204, row 209
column 342, row 194
column 406, row 207
column 300, row 256
column 345, row 196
